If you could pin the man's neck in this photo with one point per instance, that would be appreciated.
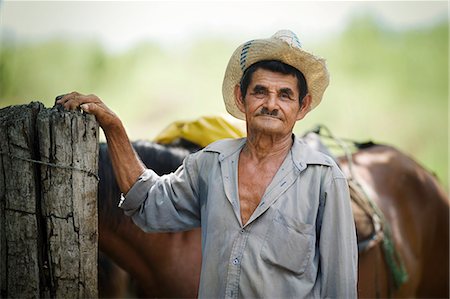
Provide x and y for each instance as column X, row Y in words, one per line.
column 262, row 147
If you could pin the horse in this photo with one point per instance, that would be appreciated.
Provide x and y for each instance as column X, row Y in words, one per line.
column 165, row 265
column 417, row 210
column 409, row 197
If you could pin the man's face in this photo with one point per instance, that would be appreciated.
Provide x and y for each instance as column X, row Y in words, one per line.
column 271, row 105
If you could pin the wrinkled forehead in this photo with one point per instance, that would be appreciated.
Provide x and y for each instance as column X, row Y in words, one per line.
column 273, row 81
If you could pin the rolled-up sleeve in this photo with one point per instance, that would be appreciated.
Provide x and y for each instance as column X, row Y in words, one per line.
column 164, row 203
column 338, row 246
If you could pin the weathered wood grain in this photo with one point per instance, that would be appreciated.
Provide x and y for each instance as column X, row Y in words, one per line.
column 48, row 226
column 18, row 201
column 69, row 204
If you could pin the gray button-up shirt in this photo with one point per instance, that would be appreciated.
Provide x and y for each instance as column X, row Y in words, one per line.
column 300, row 241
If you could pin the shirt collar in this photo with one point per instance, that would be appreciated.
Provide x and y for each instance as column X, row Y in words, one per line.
column 226, row 147
column 302, row 154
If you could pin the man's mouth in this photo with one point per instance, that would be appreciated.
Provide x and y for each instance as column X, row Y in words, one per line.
column 268, row 115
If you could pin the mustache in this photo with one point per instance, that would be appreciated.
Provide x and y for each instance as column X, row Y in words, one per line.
column 264, row 111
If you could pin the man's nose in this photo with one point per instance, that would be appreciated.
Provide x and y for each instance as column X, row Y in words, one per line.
column 272, row 101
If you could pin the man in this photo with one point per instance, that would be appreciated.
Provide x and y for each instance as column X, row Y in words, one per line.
column 275, row 215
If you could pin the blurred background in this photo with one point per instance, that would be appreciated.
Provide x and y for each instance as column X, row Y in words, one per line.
column 157, row 62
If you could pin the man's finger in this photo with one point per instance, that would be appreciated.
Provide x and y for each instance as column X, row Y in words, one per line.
column 59, row 98
column 85, row 107
column 91, row 108
column 99, row 112
column 62, row 99
column 72, row 101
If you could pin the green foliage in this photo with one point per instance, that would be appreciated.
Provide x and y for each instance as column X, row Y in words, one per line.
column 387, row 86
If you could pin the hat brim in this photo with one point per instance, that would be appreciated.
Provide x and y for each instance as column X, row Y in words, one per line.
column 313, row 68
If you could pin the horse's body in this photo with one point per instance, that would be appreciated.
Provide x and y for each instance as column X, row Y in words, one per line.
column 165, row 265
column 168, row 264
column 417, row 210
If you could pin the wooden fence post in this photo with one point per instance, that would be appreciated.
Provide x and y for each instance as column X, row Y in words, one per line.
column 60, row 159
column 19, row 192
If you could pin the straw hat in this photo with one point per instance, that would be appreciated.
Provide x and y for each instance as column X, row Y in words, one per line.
column 283, row 46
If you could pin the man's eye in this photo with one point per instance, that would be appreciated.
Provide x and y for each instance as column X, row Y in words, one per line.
column 285, row 95
column 259, row 93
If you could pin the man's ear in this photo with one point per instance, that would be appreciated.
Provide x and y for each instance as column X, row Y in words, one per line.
column 238, row 98
column 306, row 106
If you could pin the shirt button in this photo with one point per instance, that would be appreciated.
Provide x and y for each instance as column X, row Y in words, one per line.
column 236, row 261
column 242, row 231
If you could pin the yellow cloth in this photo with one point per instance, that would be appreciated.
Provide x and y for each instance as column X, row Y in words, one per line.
column 202, row 131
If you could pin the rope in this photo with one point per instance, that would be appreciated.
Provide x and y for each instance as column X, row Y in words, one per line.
column 392, row 257
column 89, row 173
column 341, row 144
column 360, row 198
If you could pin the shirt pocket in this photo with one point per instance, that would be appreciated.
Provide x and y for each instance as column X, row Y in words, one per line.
column 288, row 246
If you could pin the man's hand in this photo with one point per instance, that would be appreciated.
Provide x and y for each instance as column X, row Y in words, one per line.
column 126, row 163
column 92, row 105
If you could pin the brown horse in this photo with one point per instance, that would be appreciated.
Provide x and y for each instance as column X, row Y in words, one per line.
column 417, row 210
column 413, row 203
column 163, row 265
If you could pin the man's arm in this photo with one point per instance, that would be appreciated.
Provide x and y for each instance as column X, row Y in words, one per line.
column 338, row 247
column 126, row 163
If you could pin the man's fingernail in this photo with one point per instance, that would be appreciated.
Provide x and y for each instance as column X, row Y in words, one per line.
column 58, row 98
column 85, row 107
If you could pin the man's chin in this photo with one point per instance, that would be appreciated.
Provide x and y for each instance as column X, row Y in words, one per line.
column 268, row 125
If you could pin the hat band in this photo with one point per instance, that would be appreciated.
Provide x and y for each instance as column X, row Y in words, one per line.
column 244, row 52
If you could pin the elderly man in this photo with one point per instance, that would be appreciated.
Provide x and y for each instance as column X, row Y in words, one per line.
column 275, row 215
